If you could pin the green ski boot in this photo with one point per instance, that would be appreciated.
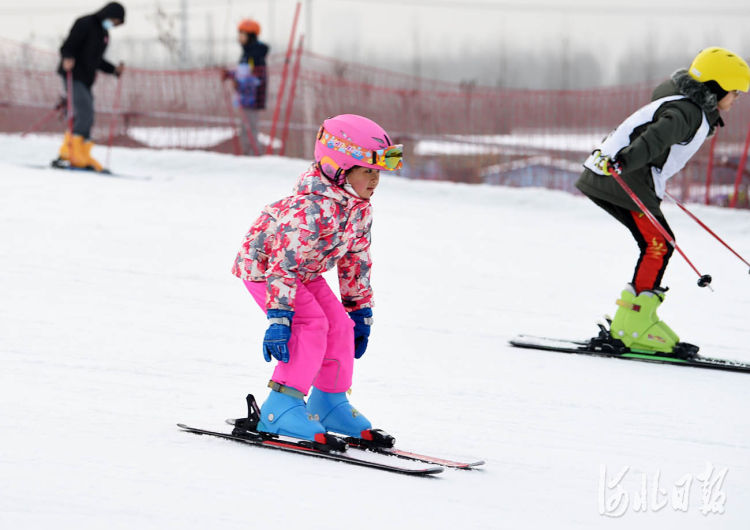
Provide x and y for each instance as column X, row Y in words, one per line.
column 637, row 325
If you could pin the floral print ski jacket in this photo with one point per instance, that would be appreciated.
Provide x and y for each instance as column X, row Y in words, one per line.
column 302, row 236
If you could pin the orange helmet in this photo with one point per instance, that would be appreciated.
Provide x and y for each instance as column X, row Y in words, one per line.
column 248, row 25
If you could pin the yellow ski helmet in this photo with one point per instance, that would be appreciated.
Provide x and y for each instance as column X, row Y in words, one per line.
column 728, row 69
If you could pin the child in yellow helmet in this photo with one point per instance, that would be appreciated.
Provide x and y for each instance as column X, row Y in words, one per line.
column 646, row 149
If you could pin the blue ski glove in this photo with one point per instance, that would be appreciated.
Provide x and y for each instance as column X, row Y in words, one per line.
column 276, row 340
column 362, row 321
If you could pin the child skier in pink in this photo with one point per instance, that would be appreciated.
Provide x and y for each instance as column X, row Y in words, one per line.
column 314, row 336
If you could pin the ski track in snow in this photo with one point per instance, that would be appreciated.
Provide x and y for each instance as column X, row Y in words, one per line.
column 119, row 317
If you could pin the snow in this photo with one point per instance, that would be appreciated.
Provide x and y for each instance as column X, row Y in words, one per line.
column 519, row 142
column 119, row 318
column 188, row 137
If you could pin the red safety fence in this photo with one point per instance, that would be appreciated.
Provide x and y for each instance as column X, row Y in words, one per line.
column 450, row 131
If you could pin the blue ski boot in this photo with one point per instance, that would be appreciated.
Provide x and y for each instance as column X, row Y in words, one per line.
column 284, row 412
column 337, row 414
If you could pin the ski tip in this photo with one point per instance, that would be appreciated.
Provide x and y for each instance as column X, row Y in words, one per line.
column 462, row 463
column 474, row 464
column 464, row 466
column 418, row 472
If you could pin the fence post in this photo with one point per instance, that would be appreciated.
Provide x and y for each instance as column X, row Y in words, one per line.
column 232, row 120
column 292, row 90
column 710, row 168
column 740, row 170
column 284, row 73
column 113, row 120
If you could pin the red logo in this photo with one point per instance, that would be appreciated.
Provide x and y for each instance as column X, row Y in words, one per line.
column 657, row 338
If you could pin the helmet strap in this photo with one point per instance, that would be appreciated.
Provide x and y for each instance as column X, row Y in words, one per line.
column 337, row 179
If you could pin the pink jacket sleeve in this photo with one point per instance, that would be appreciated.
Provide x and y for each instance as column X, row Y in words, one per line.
column 354, row 275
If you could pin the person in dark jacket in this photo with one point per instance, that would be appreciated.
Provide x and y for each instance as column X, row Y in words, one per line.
column 250, row 83
column 82, row 55
column 649, row 147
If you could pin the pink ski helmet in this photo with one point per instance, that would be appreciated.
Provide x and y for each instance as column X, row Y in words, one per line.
column 349, row 140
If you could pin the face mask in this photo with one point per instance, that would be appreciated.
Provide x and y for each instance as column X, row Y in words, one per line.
column 107, row 24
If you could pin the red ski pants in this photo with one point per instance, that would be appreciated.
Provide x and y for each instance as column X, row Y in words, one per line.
column 655, row 250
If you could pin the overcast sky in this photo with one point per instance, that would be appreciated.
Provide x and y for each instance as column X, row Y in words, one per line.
column 417, row 35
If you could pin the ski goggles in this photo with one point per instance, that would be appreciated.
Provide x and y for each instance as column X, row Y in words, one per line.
column 389, row 158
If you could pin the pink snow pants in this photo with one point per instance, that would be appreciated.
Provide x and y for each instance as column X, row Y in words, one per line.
column 321, row 348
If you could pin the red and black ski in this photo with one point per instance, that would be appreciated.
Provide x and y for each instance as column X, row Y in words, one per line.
column 290, row 445
column 385, row 447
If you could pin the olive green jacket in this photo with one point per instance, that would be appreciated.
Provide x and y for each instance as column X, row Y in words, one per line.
column 674, row 122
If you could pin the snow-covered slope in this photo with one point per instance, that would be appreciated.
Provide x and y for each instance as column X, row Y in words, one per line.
column 119, row 317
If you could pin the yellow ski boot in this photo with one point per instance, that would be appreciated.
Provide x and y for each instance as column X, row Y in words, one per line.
column 64, row 152
column 637, row 325
column 91, row 161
